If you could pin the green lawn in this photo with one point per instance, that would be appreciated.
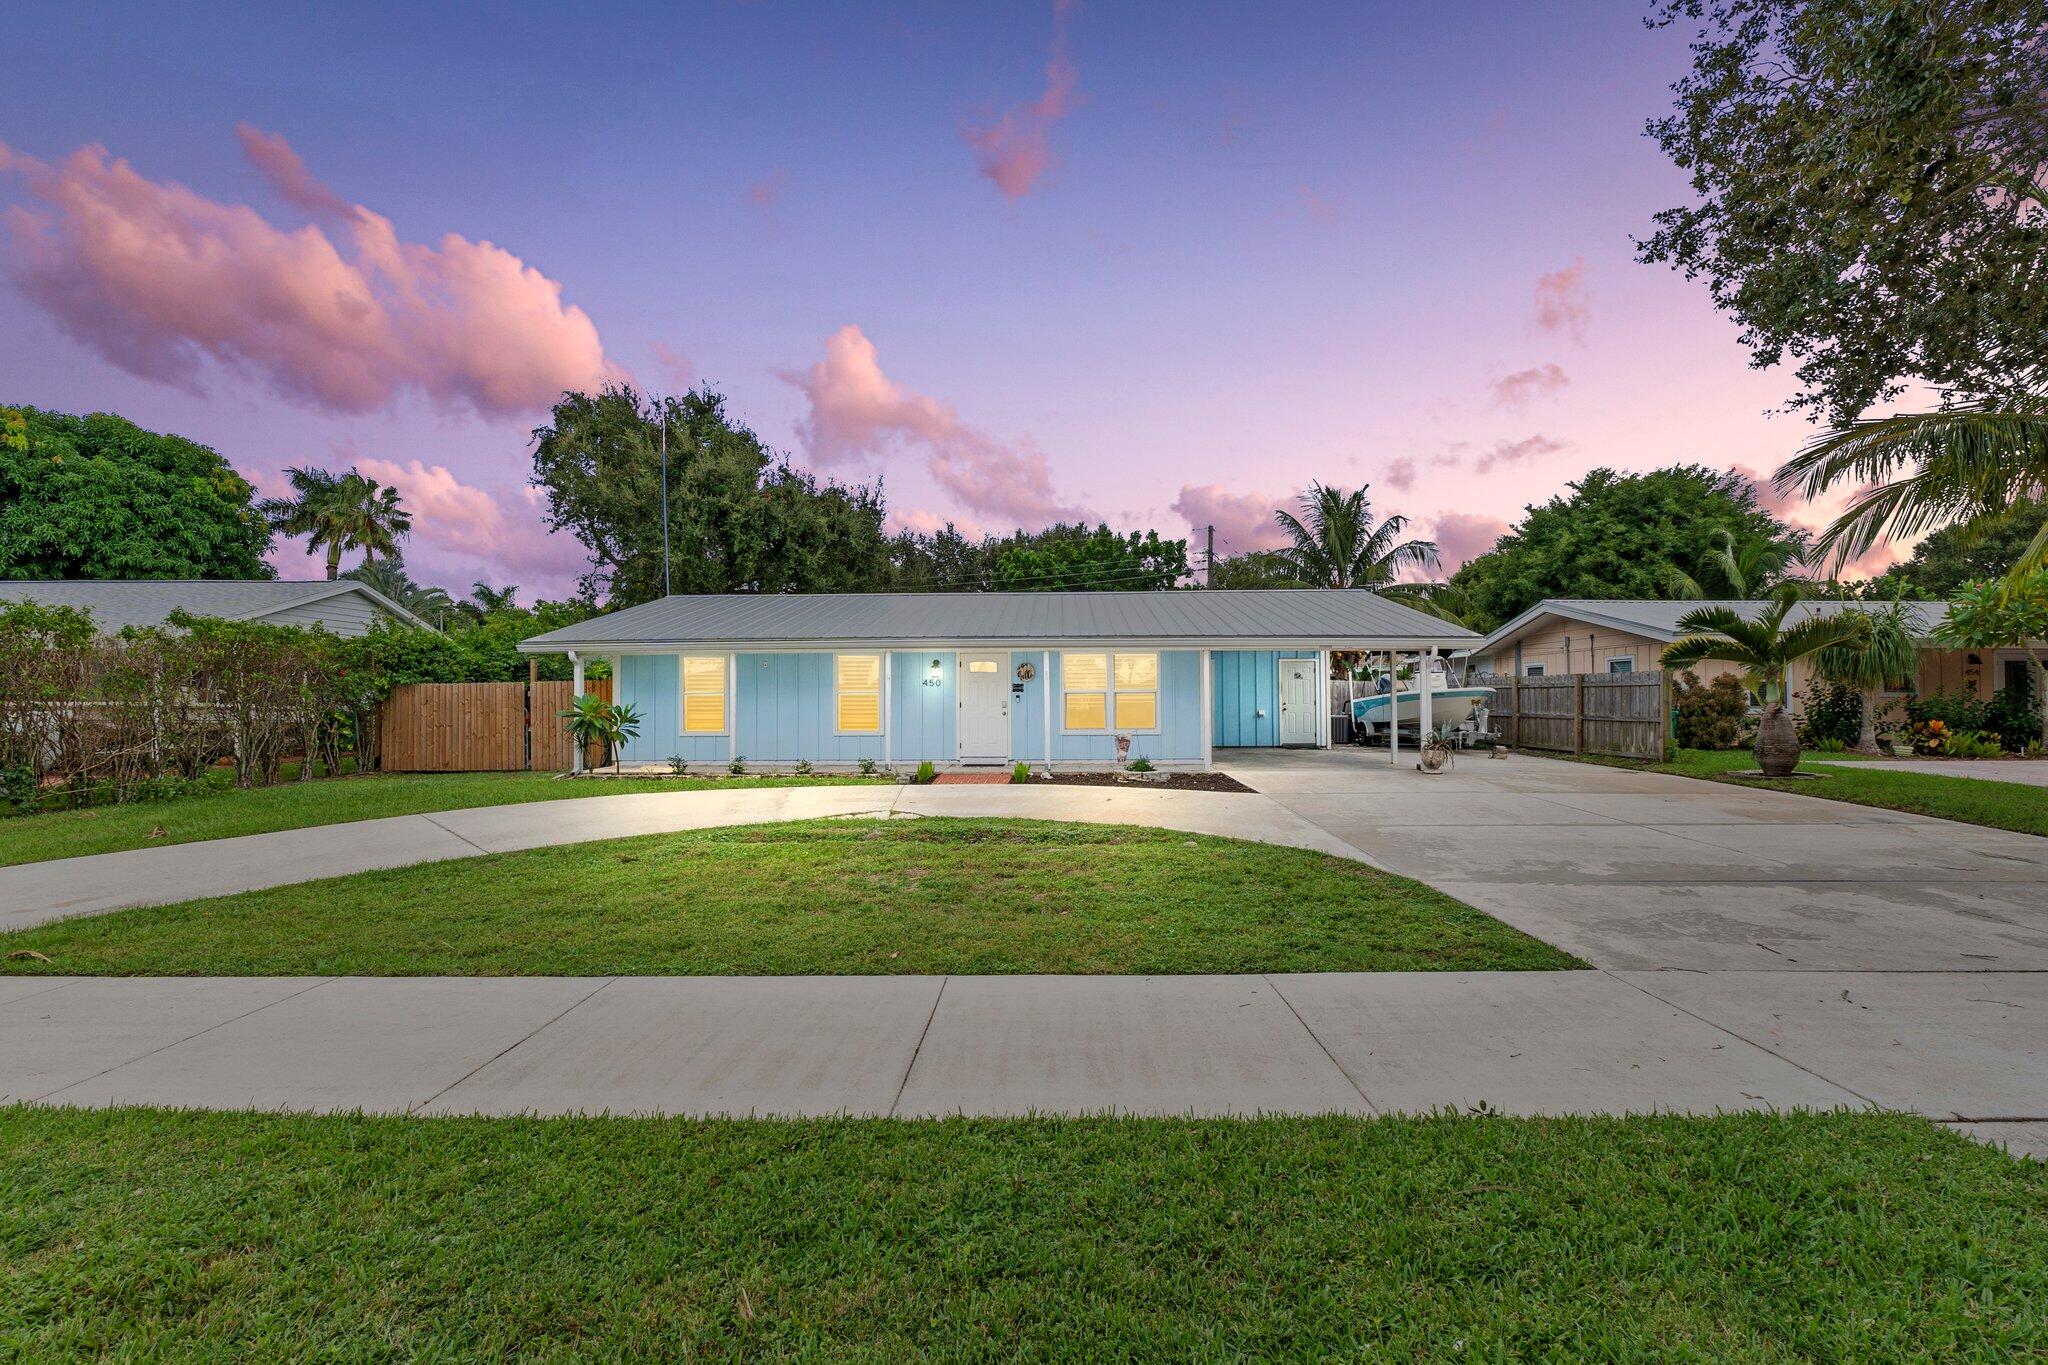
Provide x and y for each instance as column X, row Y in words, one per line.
column 295, row 805
column 1768, row 1237
column 1975, row 801
column 816, row 897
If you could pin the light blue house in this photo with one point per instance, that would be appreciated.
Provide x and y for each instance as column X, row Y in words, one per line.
column 985, row 678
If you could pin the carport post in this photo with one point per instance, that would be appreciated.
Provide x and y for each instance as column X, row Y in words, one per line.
column 1428, row 715
column 1393, row 708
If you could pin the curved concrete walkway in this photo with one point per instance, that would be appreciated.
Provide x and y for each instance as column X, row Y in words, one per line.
column 35, row 893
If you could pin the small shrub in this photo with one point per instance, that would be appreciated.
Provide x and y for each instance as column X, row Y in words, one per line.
column 1975, row 744
column 1709, row 715
column 1020, row 774
column 803, row 767
column 925, row 772
column 678, row 766
column 1828, row 745
column 1833, row 713
column 1140, row 765
column 868, row 767
column 2013, row 716
column 738, row 767
column 1957, row 711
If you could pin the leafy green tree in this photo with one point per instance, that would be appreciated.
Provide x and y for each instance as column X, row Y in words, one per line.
column 741, row 518
column 1869, row 179
column 1614, row 535
column 1882, row 656
column 1982, row 547
column 1764, row 648
column 1337, row 545
column 2002, row 614
column 1072, row 557
column 1254, row 569
column 99, row 497
column 940, row 561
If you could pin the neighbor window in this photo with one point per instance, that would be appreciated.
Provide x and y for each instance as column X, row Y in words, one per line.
column 1533, row 671
column 1625, row 663
column 1098, row 687
column 704, row 694
column 860, row 693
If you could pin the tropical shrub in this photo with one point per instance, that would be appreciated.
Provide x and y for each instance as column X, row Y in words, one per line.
column 868, row 767
column 1140, row 765
column 1833, row 712
column 925, row 772
column 1709, row 715
column 738, row 766
column 1972, row 744
column 2013, row 716
column 1020, row 773
column 803, row 767
column 1956, row 711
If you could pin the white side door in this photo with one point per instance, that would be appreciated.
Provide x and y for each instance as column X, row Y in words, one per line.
column 984, row 681
column 1299, row 689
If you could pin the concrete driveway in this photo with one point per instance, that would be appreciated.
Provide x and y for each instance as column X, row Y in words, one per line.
column 1639, row 870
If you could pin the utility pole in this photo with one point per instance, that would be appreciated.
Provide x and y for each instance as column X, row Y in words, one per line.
column 666, row 587
column 1209, row 560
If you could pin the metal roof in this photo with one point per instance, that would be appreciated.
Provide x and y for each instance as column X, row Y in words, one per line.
column 1344, row 618
column 116, row 603
column 1659, row 619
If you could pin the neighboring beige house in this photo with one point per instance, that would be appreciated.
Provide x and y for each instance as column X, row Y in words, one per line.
column 342, row 605
column 1582, row 635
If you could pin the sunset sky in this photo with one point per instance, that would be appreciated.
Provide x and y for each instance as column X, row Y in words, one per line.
column 1157, row 264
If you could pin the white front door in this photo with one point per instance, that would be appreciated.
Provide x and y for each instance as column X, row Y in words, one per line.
column 1298, row 691
column 984, row 708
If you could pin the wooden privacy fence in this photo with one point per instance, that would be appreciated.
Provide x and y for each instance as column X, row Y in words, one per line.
column 478, row 727
column 1622, row 715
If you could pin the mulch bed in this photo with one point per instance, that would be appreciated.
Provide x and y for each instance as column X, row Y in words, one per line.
column 1175, row 782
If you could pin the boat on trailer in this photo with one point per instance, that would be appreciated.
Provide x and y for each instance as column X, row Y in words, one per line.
column 1450, row 706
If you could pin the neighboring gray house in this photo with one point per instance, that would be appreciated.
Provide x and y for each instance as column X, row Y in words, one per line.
column 343, row 605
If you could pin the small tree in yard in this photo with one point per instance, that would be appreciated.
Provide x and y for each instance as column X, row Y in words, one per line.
column 1880, row 657
column 1764, row 648
column 590, row 719
column 2005, row 614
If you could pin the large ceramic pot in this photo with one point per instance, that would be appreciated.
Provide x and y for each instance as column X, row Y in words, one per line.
column 1777, row 742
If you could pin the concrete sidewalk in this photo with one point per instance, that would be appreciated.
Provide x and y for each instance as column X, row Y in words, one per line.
column 1953, row 1048
column 35, row 893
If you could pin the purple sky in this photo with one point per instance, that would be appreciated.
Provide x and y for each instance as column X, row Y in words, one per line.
column 1025, row 260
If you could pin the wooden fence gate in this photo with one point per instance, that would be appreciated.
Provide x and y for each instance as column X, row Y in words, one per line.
column 478, row 727
column 1621, row 715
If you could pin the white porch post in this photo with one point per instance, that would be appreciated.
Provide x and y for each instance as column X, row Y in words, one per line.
column 1045, row 686
column 1208, row 718
column 575, row 691
column 1323, row 701
column 732, row 699
column 1393, row 708
column 1428, row 726
column 888, row 705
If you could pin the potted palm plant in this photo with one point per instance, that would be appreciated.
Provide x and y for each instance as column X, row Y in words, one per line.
column 1764, row 649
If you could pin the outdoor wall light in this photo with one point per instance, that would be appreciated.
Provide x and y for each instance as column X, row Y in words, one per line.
column 935, row 675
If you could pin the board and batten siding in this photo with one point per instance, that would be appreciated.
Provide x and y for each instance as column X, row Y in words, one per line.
column 652, row 684
column 1246, row 696
column 345, row 613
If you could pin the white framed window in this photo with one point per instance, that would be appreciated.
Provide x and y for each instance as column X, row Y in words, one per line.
column 1100, row 691
column 1621, row 663
column 857, row 688
column 1534, row 671
column 702, row 681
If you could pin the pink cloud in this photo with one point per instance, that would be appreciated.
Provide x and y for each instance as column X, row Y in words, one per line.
column 157, row 279
column 1400, row 473
column 450, row 515
column 1015, row 150
column 1463, row 535
column 1320, row 209
column 1539, row 381
column 1562, row 304
column 1516, row 452
column 680, row 371
column 766, row 193
column 1243, row 521
column 857, row 413
column 917, row 521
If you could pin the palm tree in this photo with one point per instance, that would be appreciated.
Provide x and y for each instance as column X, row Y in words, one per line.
column 1737, row 572
column 1336, row 544
column 1882, row 656
column 1918, row 471
column 339, row 513
column 1764, row 648
column 388, row 576
column 485, row 599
